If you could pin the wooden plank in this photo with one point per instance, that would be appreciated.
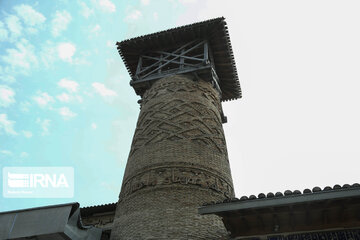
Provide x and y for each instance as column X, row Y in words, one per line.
column 167, row 63
column 206, row 52
column 182, row 59
column 165, row 74
column 182, row 55
column 160, row 63
column 138, row 69
column 177, row 50
column 179, row 62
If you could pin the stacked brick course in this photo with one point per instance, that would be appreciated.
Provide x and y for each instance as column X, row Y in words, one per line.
column 178, row 161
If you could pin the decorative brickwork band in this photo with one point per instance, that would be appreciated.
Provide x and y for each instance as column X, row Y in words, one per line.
column 175, row 120
column 177, row 175
column 182, row 86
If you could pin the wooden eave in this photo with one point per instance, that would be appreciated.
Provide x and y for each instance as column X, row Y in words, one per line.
column 214, row 30
column 325, row 210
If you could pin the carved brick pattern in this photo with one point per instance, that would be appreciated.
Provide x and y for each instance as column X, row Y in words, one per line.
column 177, row 120
column 181, row 86
column 99, row 221
column 177, row 175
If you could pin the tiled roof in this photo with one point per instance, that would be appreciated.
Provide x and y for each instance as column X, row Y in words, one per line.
column 290, row 211
column 100, row 206
column 287, row 193
column 87, row 211
column 215, row 30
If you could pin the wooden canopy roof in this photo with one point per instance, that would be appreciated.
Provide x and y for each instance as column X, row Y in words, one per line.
column 291, row 212
column 214, row 30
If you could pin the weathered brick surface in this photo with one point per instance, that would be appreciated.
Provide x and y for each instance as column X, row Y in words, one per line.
column 178, row 161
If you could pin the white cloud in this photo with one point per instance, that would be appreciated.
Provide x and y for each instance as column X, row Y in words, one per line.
column 102, row 90
column 27, row 134
column 48, row 54
column 5, row 74
column 3, row 32
column 14, row 25
column 21, row 58
column 44, row 124
column 60, row 22
column 6, row 125
column 95, row 30
column 32, row 30
column 66, row 113
column 7, row 78
column 93, row 126
column 30, row 16
column 69, row 85
column 133, row 16
column 64, row 97
column 6, row 152
column 6, row 96
column 24, row 155
column 107, row 6
column 145, row 2
column 85, row 10
column 66, row 51
column 43, row 99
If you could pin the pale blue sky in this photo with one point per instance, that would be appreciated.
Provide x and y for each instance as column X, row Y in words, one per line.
column 65, row 98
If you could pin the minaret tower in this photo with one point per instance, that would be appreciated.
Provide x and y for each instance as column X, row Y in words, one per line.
column 178, row 158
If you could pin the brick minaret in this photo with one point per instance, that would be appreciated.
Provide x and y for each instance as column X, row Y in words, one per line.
column 178, row 158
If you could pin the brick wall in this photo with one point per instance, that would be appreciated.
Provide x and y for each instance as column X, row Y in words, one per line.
column 178, row 161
